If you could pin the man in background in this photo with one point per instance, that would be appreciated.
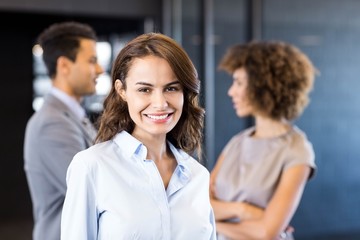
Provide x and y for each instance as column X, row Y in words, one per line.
column 57, row 131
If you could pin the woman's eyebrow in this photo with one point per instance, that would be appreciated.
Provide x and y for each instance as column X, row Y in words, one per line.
column 150, row 85
column 143, row 83
column 173, row 83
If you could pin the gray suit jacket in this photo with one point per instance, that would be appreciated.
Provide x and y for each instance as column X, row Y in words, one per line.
column 53, row 136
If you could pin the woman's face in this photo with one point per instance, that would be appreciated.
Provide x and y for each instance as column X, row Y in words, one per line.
column 154, row 96
column 238, row 93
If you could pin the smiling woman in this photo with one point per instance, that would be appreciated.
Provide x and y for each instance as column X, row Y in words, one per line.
column 155, row 98
column 140, row 180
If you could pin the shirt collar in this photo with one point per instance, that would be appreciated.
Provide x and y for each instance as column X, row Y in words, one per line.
column 183, row 160
column 182, row 172
column 129, row 145
column 69, row 101
column 134, row 147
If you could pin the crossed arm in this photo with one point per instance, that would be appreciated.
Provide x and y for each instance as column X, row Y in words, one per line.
column 257, row 223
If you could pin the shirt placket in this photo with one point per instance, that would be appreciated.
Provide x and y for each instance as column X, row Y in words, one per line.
column 160, row 197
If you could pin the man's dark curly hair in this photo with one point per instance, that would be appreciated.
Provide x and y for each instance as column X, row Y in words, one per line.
column 280, row 76
column 63, row 39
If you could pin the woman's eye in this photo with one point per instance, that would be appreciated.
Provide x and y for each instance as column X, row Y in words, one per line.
column 145, row 90
column 171, row 89
column 237, row 82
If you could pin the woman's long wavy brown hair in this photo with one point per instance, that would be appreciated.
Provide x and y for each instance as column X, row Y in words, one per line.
column 187, row 134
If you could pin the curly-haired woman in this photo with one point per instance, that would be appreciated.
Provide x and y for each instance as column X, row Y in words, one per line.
column 259, row 177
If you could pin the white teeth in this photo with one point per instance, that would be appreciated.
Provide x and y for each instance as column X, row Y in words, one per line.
column 158, row 117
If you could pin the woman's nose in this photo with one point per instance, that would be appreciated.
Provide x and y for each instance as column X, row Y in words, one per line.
column 159, row 100
column 230, row 90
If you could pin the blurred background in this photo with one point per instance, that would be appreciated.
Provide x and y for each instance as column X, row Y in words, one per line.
column 327, row 30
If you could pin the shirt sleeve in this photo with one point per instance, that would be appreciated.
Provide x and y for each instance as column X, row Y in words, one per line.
column 301, row 152
column 79, row 216
column 212, row 221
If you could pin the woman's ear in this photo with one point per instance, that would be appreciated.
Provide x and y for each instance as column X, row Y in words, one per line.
column 119, row 89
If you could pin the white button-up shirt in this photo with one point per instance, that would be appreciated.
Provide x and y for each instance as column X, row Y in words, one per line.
column 115, row 193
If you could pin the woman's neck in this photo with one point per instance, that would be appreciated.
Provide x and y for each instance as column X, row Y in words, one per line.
column 159, row 152
column 269, row 128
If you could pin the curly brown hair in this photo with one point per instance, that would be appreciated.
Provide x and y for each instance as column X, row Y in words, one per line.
column 187, row 134
column 280, row 76
column 63, row 39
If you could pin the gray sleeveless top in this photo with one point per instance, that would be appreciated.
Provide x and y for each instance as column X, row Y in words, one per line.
column 252, row 167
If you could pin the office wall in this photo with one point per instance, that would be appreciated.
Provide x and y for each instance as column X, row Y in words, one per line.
column 116, row 8
column 15, row 107
column 329, row 32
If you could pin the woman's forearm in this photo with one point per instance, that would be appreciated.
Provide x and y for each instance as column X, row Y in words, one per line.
column 244, row 230
column 243, row 211
column 225, row 210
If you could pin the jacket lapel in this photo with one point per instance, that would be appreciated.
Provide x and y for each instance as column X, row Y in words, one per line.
column 89, row 131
